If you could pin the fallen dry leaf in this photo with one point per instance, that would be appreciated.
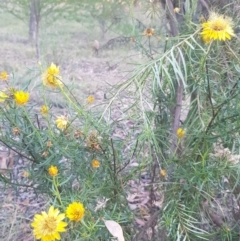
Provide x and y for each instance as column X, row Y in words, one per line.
column 115, row 229
column 5, row 164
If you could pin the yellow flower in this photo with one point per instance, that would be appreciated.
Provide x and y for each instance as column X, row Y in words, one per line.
column 75, row 211
column 44, row 110
column 163, row 173
column 47, row 226
column 90, row 99
column 95, row 163
column 149, row 32
column 3, row 96
column 21, row 97
column 218, row 27
column 51, row 77
column 61, row 122
column 25, row 174
column 180, row 133
column 4, row 75
column 206, row 39
column 53, row 171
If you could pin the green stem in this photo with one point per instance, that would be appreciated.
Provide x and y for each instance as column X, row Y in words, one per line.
column 71, row 102
column 55, row 184
column 84, row 224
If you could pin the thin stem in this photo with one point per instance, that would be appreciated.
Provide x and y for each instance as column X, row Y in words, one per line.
column 55, row 184
column 209, row 90
column 114, row 168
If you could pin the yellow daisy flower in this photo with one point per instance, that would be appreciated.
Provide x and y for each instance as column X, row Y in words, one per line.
column 51, row 77
column 75, row 211
column 61, row 122
column 218, row 27
column 53, row 171
column 149, row 32
column 163, row 173
column 47, row 226
column 95, row 163
column 25, row 174
column 3, row 96
column 90, row 99
column 4, row 75
column 21, row 97
column 44, row 110
column 180, row 133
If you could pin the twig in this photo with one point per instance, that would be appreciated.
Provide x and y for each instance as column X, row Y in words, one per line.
column 209, row 90
column 135, row 148
column 114, row 169
column 220, row 107
column 19, row 153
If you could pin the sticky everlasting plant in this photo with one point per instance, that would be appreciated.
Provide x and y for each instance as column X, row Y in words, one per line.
column 47, row 226
column 217, row 27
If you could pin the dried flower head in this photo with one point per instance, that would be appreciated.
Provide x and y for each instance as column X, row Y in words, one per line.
column 75, row 211
column 44, row 110
column 45, row 154
column 21, row 97
column 49, row 144
column 180, row 133
column 53, row 171
column 78, row 134
column 149, row 32
column 95, row 163
column 61, row 122
column 218, row 27
column 133, row 39
column 4, row 75
column 16, row 131
column 90, row 99
column 92, row 141
column 47, row 226
column 51, row 77
column 222, row 153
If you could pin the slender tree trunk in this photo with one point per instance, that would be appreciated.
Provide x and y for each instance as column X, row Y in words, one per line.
column 32, row 22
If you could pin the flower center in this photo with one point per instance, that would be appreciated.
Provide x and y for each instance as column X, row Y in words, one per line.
column 50, row 225
column 218, row 26
column 77, row 214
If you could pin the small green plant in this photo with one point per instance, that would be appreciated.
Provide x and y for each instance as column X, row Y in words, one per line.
column 72, row 159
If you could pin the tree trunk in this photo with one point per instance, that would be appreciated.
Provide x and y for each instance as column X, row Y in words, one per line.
column 32, row 22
